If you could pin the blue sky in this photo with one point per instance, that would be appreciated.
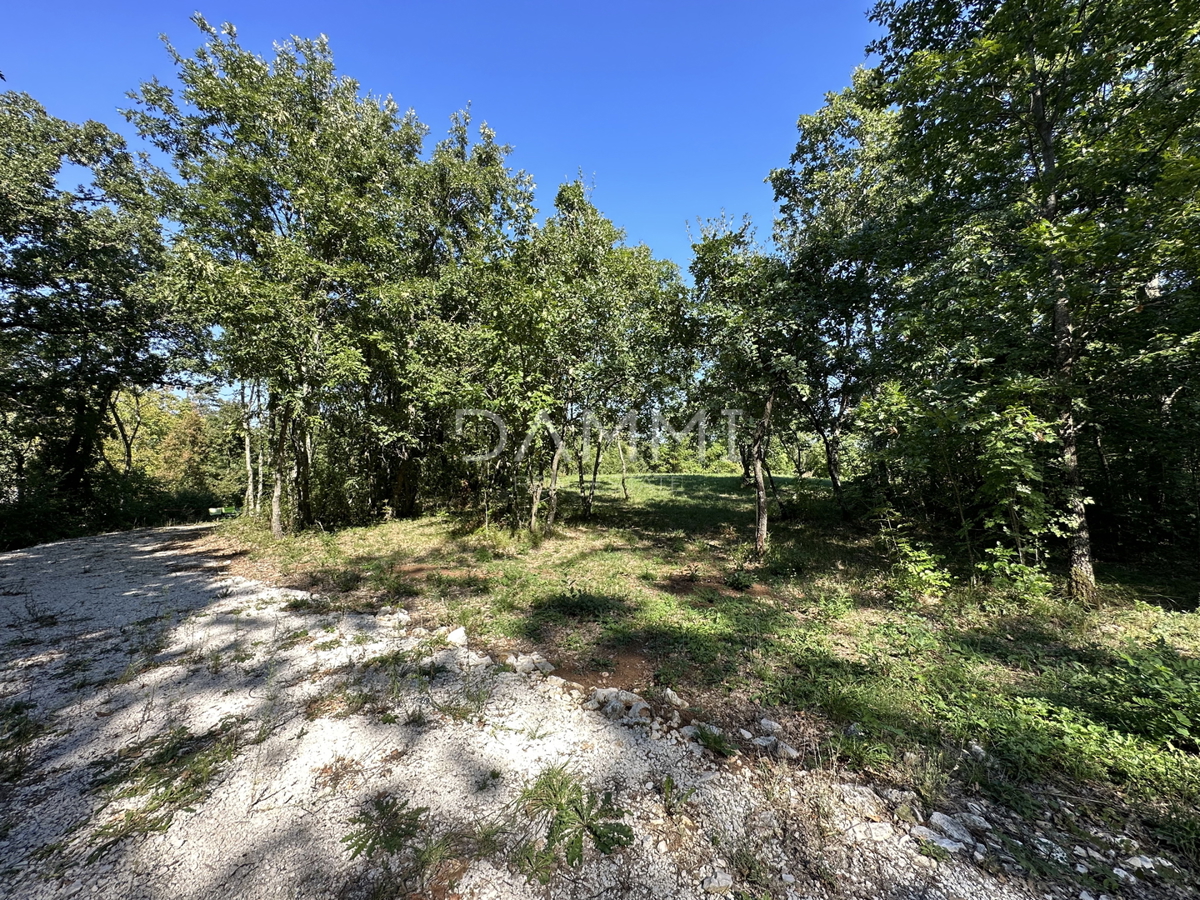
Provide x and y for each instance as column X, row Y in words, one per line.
column 673, row 110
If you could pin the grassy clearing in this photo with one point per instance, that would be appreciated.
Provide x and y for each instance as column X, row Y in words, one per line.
column 983, row 689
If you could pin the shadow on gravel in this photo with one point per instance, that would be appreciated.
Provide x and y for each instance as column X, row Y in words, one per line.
column 198, row 738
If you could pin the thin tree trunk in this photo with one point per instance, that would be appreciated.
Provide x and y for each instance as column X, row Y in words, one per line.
column 278, row 458
column 262, row 469
column 831, row 442
column 537, row 498
column 248, row 502
column 552, row 512
column 624, row 486
column 591, row 497
column 758, row 455
column 127, row 438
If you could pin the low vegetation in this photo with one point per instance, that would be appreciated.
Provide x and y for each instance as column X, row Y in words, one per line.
column 958, row 686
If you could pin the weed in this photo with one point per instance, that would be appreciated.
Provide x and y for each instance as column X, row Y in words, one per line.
column 860, row 753
column 345, row 698
column 558, row 802
column 387, row 825
column 36, row 614
column 214, row 662
column 929, row 774
column 487, row 780
column 715, row 740
column 739, row 579
column 932, row 850
column 17, row 731
column 674, row 797
column 747, row 864
column 293, row 638
column 412, row 857
column 341, row 771
column 164, row 774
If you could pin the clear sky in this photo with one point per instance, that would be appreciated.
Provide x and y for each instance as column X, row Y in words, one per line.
column 673, row 110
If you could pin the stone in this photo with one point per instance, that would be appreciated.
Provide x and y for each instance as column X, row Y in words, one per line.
column 1139, row 862
column 909, row 812
column 785, row 751
column 977, row 824
column 640, row 710
column 544, row 666
column 674, row 699
column 720, row 883
column 770, row 726
column 614, row 709
column 920, row 832
column 458, row 637
column 865, row 832
column 764, row 743
column 951, row 828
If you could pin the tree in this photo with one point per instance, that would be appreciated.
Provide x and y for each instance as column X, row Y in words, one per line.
column 78, row 321
column 838, row 197
column 337, row 267
column 739, row 289
column 1043, row 128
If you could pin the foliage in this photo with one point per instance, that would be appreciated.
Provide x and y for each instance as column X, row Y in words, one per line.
column 571, row 814
column 78, row 318
column 162, row 775
column 388, row 826
column 674, row 797
column 917, row 573
column 18, row 729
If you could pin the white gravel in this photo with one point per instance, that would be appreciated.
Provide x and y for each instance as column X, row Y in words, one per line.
column 119, row 639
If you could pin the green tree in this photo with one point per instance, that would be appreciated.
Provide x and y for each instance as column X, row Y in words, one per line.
column 339, row 269
column 1046, row 131
column 78, row 321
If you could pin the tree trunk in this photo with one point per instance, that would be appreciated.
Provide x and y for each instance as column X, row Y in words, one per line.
column 248, row 502
column 278, row 459
column 552, row 512
column 624, row 486
column 758, row 459
column 258, row 486
column 591, row 497
column 1081, row 579
column 831, row 442
column 537, row 498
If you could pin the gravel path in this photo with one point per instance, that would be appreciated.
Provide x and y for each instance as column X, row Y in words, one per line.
column 172, row 732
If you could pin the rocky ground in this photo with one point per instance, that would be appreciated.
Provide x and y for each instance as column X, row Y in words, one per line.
column 172, row 731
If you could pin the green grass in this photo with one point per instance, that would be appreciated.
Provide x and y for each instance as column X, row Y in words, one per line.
column 158, row 777
column 1105, row 701
column 18, row 730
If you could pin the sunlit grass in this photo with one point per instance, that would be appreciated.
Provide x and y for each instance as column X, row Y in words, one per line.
column 809, row 629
